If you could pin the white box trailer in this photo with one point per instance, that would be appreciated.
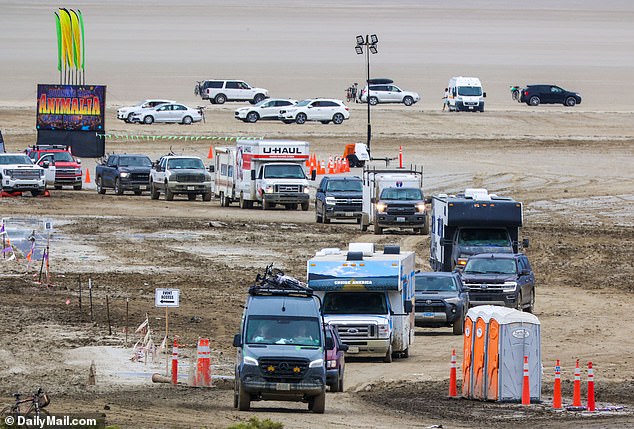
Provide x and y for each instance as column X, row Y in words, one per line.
column 368, row 296
column 266, row 172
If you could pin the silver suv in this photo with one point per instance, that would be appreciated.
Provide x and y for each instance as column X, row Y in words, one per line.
column 217, row 91
column 388, row 93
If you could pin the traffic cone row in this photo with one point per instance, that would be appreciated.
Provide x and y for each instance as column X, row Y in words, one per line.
column 203, row 364
column 335, row 165
column 576, row 394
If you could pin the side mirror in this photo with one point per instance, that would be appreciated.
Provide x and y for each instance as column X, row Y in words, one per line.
column 484, row 95
column 330, row 344
column 525, row 243
column 252, row 174
column 211, row 168
column 408, row 306
column 45, row 164
column 344, row 347
column 524, row 273
column 373, row 200
column 237, row 340
column 313, row 175
column 78, row 161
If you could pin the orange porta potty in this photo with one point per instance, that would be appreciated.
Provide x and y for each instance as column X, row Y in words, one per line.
column 493, row 361
column 467, row 354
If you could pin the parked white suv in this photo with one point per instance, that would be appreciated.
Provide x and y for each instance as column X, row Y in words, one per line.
column 264, row 110
column 316, row 109
column 388, row 93
column 126, row 113
column 217, row 91
column 18, row 174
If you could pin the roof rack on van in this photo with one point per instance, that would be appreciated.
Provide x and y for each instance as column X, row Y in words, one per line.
column 275, row 282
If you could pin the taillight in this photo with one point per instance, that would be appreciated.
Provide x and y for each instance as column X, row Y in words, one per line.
column 526, row 93
column 347, row 108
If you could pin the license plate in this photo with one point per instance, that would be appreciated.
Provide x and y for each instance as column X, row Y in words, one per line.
column 349, row 214
column 143, row 187
column 400, row 219
column 353, row 349
column 191, row 188
column 283, row 386
column 428, row 314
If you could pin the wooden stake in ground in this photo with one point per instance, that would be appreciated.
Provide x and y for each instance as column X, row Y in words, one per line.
column 127, row 302
column 81, row 311
column 90, row 298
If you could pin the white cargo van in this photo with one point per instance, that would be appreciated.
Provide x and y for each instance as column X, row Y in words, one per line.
column 465, row 94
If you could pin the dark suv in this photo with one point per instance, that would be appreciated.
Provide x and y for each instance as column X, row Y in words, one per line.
column 534, row 95
column 505, row 279
column 338, row 198
column 441, row 300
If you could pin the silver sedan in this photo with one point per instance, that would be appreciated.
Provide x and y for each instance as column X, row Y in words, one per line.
column 172, row 112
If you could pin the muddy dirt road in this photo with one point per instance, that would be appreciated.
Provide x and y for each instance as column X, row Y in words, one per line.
column 578, row 192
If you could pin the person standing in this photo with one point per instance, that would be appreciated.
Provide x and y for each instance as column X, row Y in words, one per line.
column 445, row 99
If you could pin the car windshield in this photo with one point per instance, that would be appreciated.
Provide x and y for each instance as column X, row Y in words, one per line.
column 470, row 91
column 344, row 186
column 435, row 283
column 484, row 237
column 59, row 156
column 490, row 266
column 135, row 161
column 185, row 163
column 407, row 194
column 284, row 171
column 15, row 159
column 295, row 331
column 355, row 303
column 303, row 103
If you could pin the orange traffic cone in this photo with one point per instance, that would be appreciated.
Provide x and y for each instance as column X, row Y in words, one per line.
column 453, row 390
column 591, row 405
column 321, row 167
column 576, row 394
column 87, row 176
column 557, row 388
column 346, row 165
column 331, row 166
column 526, row 387
column 210, row 155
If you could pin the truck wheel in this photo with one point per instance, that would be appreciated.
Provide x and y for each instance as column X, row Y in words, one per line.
column 570, row 102
column 191, row 197
column 169, row 195
column 235, row 391
column 220, row 99
column 117, row 187
column 531, row 305
column 405, row 353
column 258, row 98
column 154, row 193
column 129, row 118
column 458, row 326
column 318, row 403
column 187, row 120
column 77, row 187
column 227, row 201
column 244, row 399
column 100, row 189
column 425, row 228
column 341, row 382
column 323, row 215
column 518, row 304
column 334, row 387
column 388, row 355
column 408, row 101
column 206, row 196
column 353, row 160
column 378, row 230
column 318, row 216
column 338, row 119
column 305, row 206
column 265, row 204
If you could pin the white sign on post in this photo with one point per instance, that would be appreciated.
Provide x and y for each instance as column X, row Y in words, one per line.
column 166, row 297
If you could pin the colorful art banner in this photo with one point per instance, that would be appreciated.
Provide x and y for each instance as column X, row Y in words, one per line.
column 71, row 107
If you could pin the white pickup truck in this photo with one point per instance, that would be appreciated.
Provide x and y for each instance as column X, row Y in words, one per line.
column 184, row 175
column 19, row 174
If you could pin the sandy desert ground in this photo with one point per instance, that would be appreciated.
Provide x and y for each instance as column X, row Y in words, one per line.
column 571, row 167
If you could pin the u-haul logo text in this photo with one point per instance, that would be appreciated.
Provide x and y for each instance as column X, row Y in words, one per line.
column 282, row 150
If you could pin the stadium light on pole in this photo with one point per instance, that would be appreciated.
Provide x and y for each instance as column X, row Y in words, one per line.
column 370, row 42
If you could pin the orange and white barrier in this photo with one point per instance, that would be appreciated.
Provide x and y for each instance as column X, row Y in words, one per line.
column 453, row 389
column 175, row 363
column 576, row 394
column 526, row 386
column 400, row 157
column 591, row 405
column 557, row 388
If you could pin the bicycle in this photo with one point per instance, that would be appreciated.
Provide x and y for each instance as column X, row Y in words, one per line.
column 515, row 92
column 29, row 407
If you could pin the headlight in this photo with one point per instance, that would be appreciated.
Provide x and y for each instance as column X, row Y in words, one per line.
column 420, row 207
column 316, row 363
column 306, row 190
column 332, row 364
column 248, row 360
column 331, row 201
column 7, row 172
column 455, row 300
column 509, row 286
column 381, row 207
column 384, row 330
column 207, row 177
column 269, row 189
column 125, row 175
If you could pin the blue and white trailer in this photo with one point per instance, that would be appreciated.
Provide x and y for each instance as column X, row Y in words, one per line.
column 368, row 296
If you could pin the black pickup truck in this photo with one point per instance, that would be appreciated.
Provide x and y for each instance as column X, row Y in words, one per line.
column 123, row 172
